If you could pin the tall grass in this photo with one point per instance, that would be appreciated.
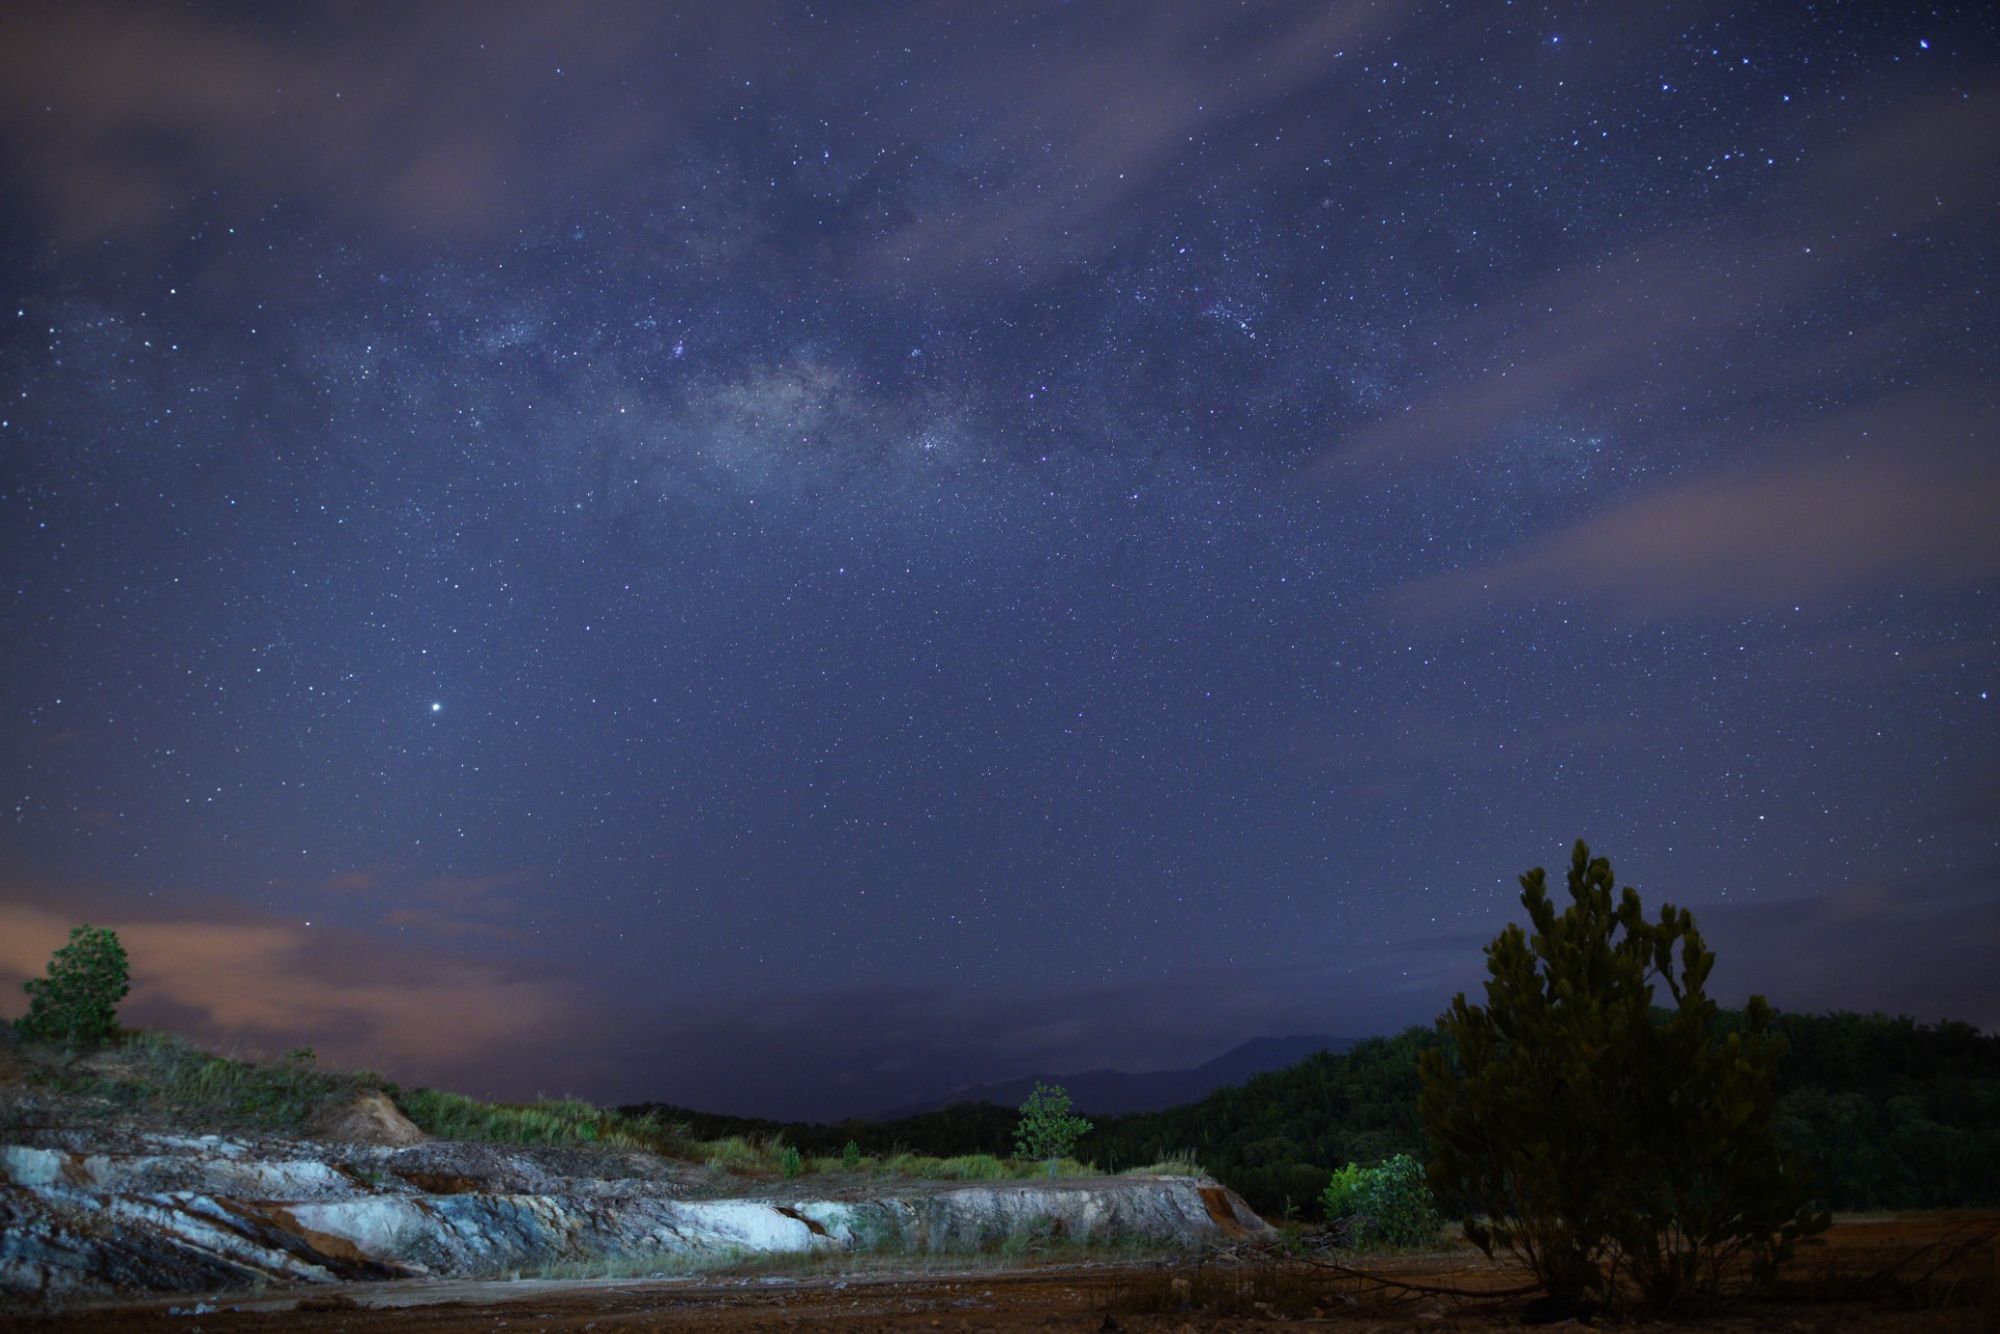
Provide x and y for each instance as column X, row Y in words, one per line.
column 1180, row 1164
column 550, row 1121
column 734, row 1153
column 973, row 1167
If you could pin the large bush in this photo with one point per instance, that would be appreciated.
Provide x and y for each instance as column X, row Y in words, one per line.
column 78, row 1001
column 1597, row 1135
column 1386, row 1205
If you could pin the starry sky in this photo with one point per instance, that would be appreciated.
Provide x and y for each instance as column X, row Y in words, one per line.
column 788, row 557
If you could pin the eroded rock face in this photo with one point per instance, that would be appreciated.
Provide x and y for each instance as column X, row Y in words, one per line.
column 165, row 1214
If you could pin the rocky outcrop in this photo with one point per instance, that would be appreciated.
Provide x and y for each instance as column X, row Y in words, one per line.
column 370, row 1118
column 167, row 1214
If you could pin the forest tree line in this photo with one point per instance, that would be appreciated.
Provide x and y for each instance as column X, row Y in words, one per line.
column 1888, row 1112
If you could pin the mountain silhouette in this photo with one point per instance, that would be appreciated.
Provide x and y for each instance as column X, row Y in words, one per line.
column 1112, row 1092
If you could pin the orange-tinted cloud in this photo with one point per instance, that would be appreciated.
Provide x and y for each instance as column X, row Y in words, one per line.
column 461, row 906
column 409, row 119
column 275, row 984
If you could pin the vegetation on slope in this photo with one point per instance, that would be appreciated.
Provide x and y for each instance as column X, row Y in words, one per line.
column 965, row 1128
column 160, row 1077
column 1888, row 1113
column 1276, row 1139
column 163, row 1080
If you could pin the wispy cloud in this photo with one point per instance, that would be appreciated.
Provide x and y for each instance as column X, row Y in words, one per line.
column 1623, row 330
column 1092, row 115
column 1887, row 498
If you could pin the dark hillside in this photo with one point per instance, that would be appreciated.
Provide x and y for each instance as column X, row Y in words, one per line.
column 1282, row 1133
column 1889, row 1113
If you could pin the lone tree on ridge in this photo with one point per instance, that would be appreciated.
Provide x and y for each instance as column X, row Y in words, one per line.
column 78, row 1001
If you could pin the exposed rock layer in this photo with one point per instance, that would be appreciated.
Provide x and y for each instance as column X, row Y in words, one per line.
column 153, row 1213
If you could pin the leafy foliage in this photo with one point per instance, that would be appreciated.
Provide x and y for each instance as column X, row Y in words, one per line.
column 1592, row 1132
column 1342, row 1191
column 78, row 1001
column 1891, row 1113
column 850, row 1155
column 1049, row 1126
column 790, row 1163
column 1389, row 1204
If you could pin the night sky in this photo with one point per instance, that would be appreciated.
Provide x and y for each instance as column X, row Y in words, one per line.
column 785, row 558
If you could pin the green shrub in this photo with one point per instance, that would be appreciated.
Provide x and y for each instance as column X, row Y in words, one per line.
column 790, row 1163
column 1341, row 1191
column 78, row 1001
column 1048, row 1130
column 1386, row 1205
column 850, row 1157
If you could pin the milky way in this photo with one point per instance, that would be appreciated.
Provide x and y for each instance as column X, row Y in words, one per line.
column 787, row 559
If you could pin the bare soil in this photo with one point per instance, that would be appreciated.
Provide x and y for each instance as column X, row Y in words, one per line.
column 1914, row 1273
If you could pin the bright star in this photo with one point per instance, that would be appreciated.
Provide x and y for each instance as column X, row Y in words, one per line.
column 436, row 707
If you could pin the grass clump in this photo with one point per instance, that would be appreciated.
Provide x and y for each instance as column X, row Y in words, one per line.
column 1181, row 1164
column 569, row 1121
column 974, row 1167
column 736, row 1153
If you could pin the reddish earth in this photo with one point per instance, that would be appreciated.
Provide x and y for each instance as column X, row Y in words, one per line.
column 1963, row 1294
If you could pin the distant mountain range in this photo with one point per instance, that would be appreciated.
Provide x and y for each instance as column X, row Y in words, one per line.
column 1113, row 1092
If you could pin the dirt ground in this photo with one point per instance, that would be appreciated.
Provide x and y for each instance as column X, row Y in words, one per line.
column 1837, row 1287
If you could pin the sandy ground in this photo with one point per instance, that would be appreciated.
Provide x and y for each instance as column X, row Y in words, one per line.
column 1963, row 1296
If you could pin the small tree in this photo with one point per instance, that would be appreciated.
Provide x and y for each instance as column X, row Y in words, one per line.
column 78, row 1001
column 1593, row 1132
column 1048, row 1129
